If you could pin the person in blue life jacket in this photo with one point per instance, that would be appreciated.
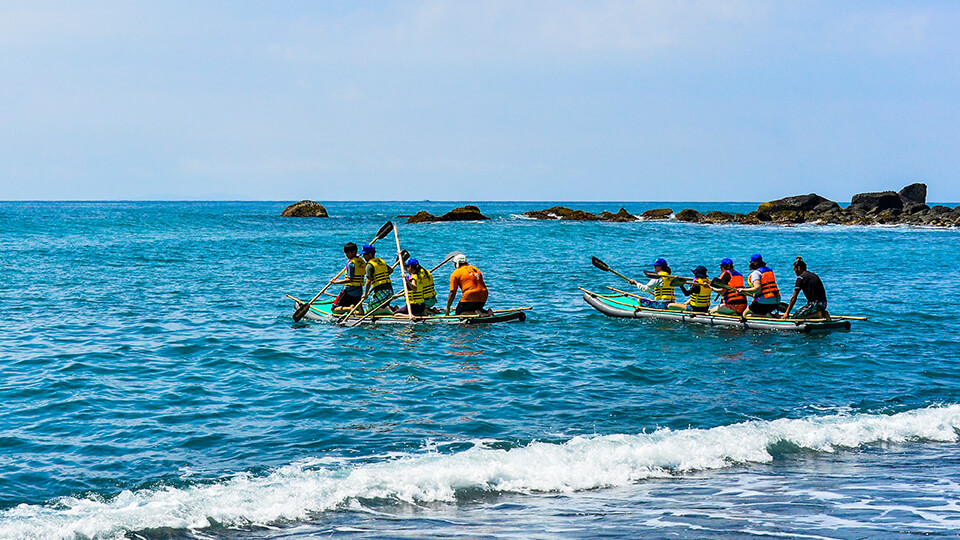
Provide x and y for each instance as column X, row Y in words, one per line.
column 661, row 287
column 699, row 293
column 379, row 288
column 763, row 285
column 352, row 281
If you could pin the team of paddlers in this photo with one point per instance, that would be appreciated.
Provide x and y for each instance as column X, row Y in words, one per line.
column 733, row 290
column 367, row 278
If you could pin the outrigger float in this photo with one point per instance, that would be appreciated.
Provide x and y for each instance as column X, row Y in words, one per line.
column 321, row 312
column 627, row 306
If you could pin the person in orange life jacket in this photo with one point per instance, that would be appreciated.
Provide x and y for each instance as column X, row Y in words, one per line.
column 734, row 303
column 699, row 293
column 813, row 291
column 352, row 282
column 763, row 284
column 379, row 289
column 662, row 288
column 415, row 289
column 467, row 278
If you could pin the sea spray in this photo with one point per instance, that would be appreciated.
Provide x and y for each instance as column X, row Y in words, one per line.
column 296, row 491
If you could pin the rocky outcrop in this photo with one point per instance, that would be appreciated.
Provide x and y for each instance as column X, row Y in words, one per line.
column 798, row 203
column 657, row 213
column 568, row 214
column 689, row 215
column 464, row 213
column 304, row 208
column 914, row 193
column 876, row 202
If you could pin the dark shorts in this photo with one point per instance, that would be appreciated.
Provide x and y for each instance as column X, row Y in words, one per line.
column 346, row 300
column 703, row 309
column 418, row 309
column 463, row 307
column 810, row 309
column 762, row 309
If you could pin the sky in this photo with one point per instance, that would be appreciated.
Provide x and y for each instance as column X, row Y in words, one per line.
column 475, row 101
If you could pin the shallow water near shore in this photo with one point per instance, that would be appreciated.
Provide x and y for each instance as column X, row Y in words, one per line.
column 154, row 384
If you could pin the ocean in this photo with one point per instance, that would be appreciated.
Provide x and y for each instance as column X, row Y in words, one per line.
column 154, row 384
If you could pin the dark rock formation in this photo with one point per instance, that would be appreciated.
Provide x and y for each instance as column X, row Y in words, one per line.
column 914, row 193
column 567, row 214
column 465, row 213
column 657, row 213
column 689, row 215
column 304, row 208
column 876, row 202
column 717, row 217
column 798, row 203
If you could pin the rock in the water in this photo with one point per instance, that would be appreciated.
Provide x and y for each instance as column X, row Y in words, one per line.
column 914, row 193
column 465, row 213
column 620, row 217
column 787, row 216
column 877, row 202
column 562, row 212
column 689, row 215
column 657, row 213
column 798, row 203
column 304, row 208
column 717, row 217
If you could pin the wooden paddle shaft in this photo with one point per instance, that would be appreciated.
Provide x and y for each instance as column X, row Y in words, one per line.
column 403, row 274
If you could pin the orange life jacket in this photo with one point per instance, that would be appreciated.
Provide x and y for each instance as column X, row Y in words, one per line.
column 736, row 280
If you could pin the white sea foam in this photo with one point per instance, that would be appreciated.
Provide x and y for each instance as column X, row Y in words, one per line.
column 294, row 492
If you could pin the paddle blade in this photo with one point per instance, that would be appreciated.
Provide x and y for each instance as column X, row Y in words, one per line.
column 385, row 230
column 302, row 310
column 600, row 264
column 405, row 254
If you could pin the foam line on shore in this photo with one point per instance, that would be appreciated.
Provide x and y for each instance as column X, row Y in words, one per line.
column 296, row 491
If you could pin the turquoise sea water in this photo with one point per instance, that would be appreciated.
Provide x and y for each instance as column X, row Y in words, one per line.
column 154, row 385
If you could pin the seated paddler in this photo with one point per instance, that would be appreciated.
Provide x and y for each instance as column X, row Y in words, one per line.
column 415, row 289
column 813, row 291
column 699, row 293
column 379, row 289
column 763, row 285
column 661, row 287
column 352, row 282
column 734, row 302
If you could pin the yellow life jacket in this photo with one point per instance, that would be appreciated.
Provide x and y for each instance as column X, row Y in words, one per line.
column 665, row 291
column 359, row 271
column 701, row 299
column 415, row 293
column 425, row 279
column 381, row 273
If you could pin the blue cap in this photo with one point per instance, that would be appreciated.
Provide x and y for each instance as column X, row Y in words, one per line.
column 660, row 262
column 756, row 257
column 700, row 271
column 367, row 249
column 413, row 262
column 726, row 262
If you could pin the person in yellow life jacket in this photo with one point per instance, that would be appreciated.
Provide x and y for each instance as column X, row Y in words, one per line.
column 699, row 293
column 352, row 282
column 416, row 286
column 734, row 302
column 662, row 287
column 379, row 289
column 763, row 285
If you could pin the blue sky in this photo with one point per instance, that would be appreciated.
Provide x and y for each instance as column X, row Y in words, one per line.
column 499, row 100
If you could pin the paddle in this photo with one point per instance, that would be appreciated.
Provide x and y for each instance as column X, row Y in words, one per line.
column 302, row 310
column 405, row 255
column 603, row 266
column 678, row 279
column 446, row 259
column 403, row 274
column 782, row 306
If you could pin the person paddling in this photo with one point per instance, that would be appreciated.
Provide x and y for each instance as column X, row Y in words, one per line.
column 415, row 289
column 662, row 287
column 813, row 291
column 763, row 284
column 734, row 302
column 379, row 289
column 468, row 279
column 699, row 293
column 352, row 282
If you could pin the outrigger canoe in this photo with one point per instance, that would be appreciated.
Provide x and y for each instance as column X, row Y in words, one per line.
column 621, row 305
column 320, row 312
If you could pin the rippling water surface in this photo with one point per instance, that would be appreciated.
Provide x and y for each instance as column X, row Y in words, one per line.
column 154, row 385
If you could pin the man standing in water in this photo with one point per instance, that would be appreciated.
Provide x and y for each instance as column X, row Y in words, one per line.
column 813, row 291
column 469, row 279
